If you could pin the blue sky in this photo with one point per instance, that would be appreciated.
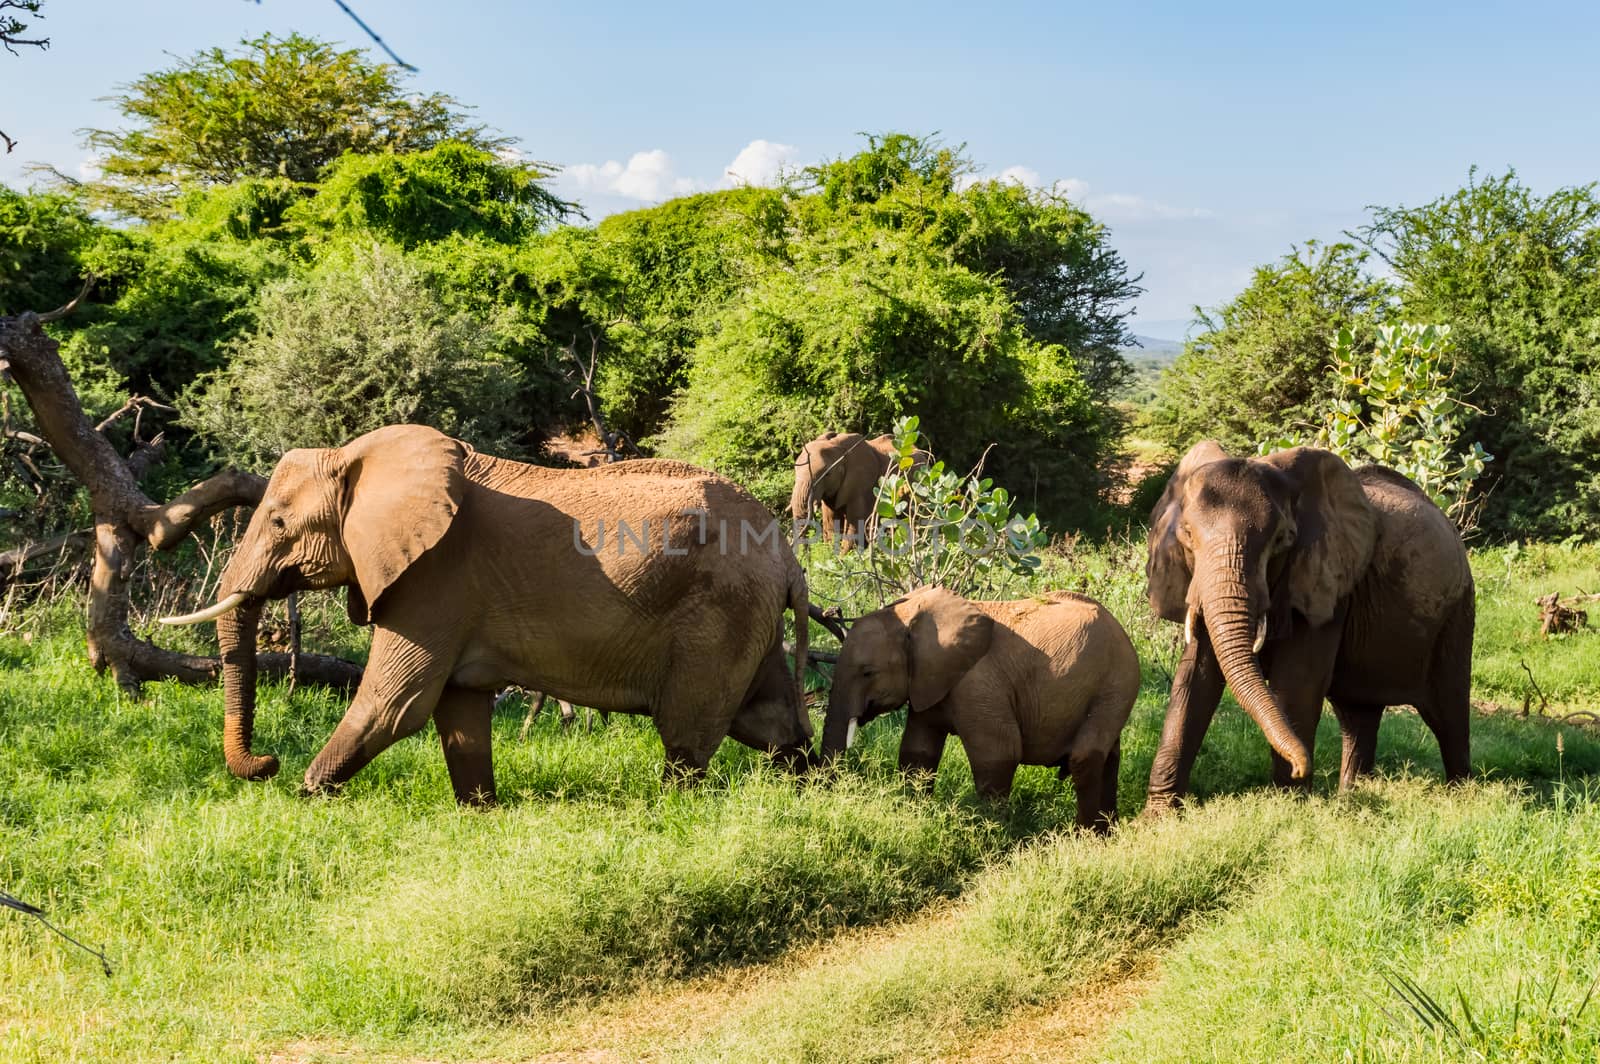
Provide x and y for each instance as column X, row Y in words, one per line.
column 1209, row 137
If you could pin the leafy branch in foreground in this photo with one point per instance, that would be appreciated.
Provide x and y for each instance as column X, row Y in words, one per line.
column 1396, row 409
column 934, row 526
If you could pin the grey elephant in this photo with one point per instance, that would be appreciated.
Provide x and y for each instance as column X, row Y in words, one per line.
column 839, row 471
column 1299, row 579
column 1040, row 681
column 643, row 587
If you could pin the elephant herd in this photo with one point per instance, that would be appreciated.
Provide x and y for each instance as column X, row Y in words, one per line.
column 656, row 588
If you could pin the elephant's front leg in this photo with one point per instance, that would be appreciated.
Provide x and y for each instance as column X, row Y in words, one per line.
column 398, row 692
column 464, row 720
column 1299, row 669
column 921, row 748
column 1196, row 690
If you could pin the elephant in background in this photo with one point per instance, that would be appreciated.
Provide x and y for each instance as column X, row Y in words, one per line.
column 840, row 471
column 1040, row 681
column 1298, row 579
column 477, row 573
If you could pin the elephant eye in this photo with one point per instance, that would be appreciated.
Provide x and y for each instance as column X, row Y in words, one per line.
column 868, row 670
column 278, row 523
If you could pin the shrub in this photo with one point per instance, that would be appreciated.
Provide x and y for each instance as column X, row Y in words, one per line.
column 1395, row 409
column 935, row 527
column 358, row 342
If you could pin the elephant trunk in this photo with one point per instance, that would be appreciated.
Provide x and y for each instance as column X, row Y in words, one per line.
column 236, row 638
column 800, row 500
column 839, row 727
column 1225, row 604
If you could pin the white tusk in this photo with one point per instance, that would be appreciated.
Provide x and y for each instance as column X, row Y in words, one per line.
column 1188, row 626
column 1261, row 635
column 210, row 613
column 850, row 734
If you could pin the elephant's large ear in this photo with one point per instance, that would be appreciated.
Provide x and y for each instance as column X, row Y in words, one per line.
column 1336, row 528
column 402, row 487
column 947, row 636
column 1167, row 569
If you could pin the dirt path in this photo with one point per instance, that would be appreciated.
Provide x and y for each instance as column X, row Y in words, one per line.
column 673, row 1018
column 1068, row 1030
column 655, row 1025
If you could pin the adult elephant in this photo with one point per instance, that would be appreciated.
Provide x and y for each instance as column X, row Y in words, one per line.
column 840, row 471
column 1298, row 579
column 478, row 572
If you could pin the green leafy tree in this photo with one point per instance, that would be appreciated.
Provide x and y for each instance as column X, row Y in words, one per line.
column 359, row 342
column 874, row 284
column 856, row 332
column 42, row 241
column 648, row 285
column 1395, row 408
column 280, row 107
column 1517, row 276
column 451, row 189
column 1259, row 367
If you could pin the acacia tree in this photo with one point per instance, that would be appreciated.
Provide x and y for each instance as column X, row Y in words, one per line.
column 280, row 107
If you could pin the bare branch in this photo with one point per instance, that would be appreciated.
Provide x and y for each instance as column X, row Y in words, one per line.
column 71, row 305
column 830, row 619
column 138, row 404
column 165, row 526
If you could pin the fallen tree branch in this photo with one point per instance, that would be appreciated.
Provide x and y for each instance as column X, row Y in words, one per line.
column 125, row 518
column 831, row 619
column 1556, row 617
column 13, row 560
column 1544, row 703
column 827, row 657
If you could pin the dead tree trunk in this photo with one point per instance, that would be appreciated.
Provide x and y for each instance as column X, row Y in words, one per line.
column 616, row 445
column 125, row 518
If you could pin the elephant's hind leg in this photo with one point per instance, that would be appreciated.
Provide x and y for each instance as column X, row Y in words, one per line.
column 1448, row 712
column 1358, row 725
column 464, row 720
column 693, row 714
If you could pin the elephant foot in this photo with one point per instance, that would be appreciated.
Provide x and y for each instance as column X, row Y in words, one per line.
column 308, row 789
column 1161, row 805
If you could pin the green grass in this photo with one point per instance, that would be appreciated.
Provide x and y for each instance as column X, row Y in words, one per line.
column 241, row 919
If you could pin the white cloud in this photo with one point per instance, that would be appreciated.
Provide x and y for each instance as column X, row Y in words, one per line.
column 1110, row 206
column 648, row 176
column 89, row 168
column 1020, row 175
column 761, row 162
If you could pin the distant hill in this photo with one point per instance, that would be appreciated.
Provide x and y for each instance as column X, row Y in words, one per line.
column 1148, row 360
column 1153, row 349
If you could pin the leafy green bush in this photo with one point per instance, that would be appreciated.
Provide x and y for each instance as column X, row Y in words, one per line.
column 862, row 327
column 358, row 342
column 1517, row 276
column 1396, row 409
column 1259, row 367
column 935, row 527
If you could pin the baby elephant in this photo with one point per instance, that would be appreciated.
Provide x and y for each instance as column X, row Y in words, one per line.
column 1042, row 681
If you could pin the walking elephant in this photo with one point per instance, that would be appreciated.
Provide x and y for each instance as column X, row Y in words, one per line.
column 1298, row 579
column 1041, row 681
column 478, row 572
column 840, row 471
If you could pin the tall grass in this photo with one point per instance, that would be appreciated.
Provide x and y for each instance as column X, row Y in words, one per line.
column 242, row 919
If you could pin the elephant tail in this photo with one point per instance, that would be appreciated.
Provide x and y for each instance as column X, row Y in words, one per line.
column 800, row 603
